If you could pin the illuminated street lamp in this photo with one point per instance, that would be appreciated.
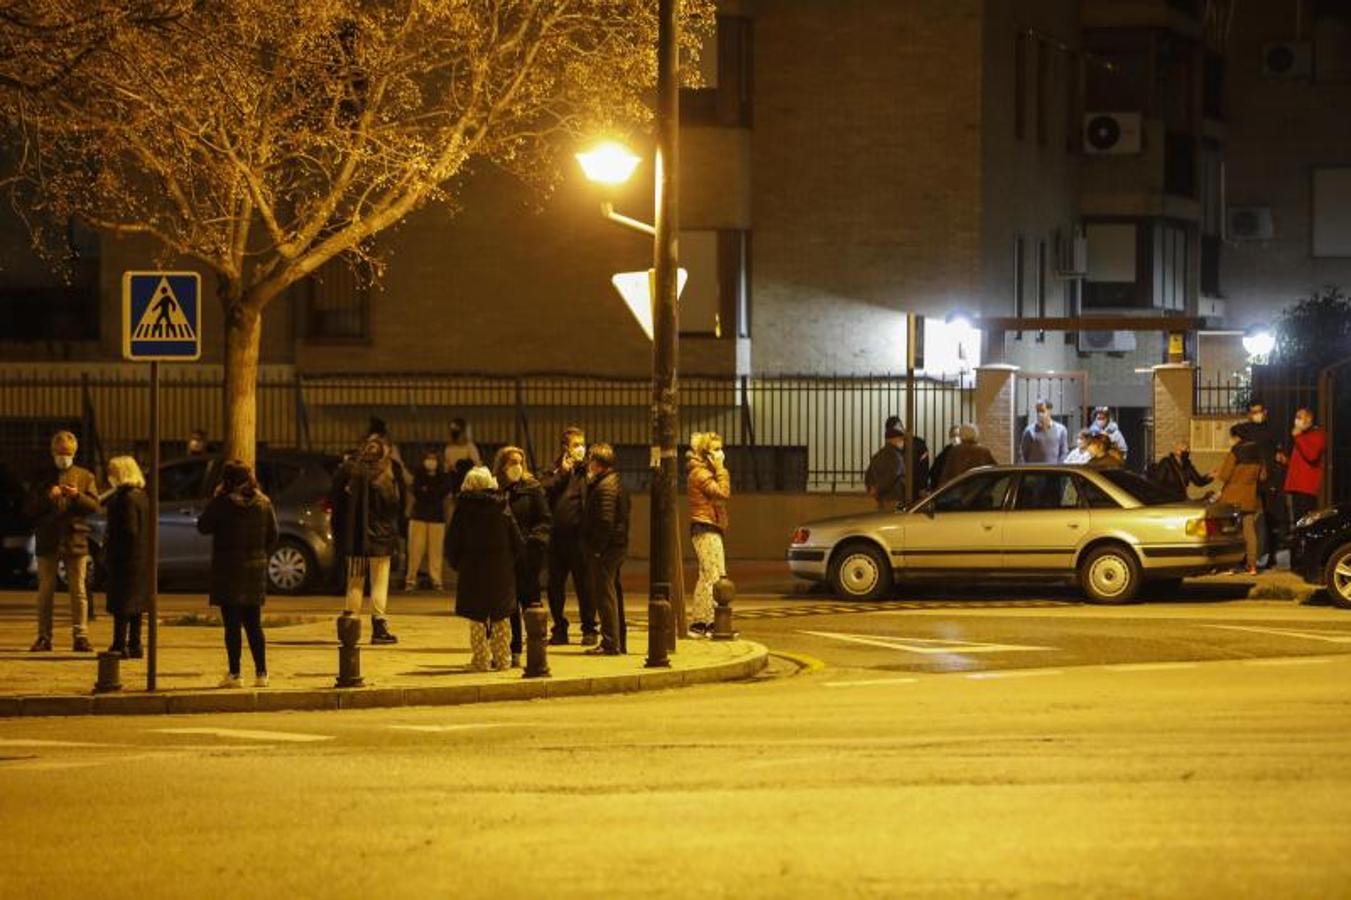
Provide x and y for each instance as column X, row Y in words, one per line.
column 1258, row 343
column 609, row 162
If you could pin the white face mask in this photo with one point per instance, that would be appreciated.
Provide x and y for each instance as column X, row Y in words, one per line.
column 515, row 472
column 1258, row 418
column 1044, row 418
column 1303, row 424
column 63, row 462
column 578, row 453
column 717, row 456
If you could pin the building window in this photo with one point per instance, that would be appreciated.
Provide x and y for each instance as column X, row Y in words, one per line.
column 1113, row 261
column 1171, row 266
column 1020, row 85
column 725, row 64
column 716, row 299
column 1332, row 211
column 335, row 301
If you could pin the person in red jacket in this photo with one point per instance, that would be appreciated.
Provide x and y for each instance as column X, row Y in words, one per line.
column 1305, row 475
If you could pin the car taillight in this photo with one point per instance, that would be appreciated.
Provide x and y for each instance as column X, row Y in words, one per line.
column 1205, row 527
column 801, row 536
column 326, row 505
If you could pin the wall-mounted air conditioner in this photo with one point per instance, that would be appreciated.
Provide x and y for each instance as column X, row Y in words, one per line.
column 1112, row 133
column 1249, row 223
column 1106, row 341
column 1072, row 255
column 1287, row 59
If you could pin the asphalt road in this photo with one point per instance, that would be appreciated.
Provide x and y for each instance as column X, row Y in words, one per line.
column 1191, row 748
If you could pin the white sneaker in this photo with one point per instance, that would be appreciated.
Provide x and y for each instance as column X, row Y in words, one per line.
column 231, row 681
column 260, row 681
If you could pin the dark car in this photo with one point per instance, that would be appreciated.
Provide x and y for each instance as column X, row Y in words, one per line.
column 1320, row 551
column 298, row 484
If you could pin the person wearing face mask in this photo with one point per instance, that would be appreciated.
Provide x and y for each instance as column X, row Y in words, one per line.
column 483, row 544
column 1175, row 472
column 127, row 554
column 605, row 538
column 197, row 445
column 936, row 472
column 370, row 494
column 885, row 478
column 1304, row 478
column 1242, row 474
column 1104, row 424
column 1079, row 455
column 427, row 520
column 966, row 455
column 1044, row 440
column 63, row 499
column 1102, row 455
column 460, row 448
column 565, row 488
column 709, row 489
column 1270, row 441
column 530, row 508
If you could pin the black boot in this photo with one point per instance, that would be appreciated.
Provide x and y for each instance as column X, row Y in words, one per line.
column 380, row 632
column 134, row 650
column 119, row 644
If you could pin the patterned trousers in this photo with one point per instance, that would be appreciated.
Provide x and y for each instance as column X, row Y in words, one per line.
column 712, row 567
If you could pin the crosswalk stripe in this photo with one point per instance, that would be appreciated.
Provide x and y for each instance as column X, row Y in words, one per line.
column 245, row 734
column 1331, row 637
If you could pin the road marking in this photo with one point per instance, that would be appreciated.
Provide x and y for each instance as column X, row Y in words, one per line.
column 442, row 728
column 1150, row 667
column 1290, row 661
column 34, row 742
column 247, row 735
column 807, row 663
column 1330, row 637
column 926, row 646
column 871, row 681
column 1013, row 673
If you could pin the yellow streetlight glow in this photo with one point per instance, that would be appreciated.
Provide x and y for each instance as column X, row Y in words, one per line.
column 608, row 163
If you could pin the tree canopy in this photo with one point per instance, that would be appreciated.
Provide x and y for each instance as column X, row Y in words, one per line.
column 1316, row 331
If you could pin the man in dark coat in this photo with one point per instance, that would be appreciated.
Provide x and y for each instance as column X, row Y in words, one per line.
column 565, row 487
column 967, row 455
column 1175, row 472
column 885, row 479
column 1271, row 445
column 126, row 551
column 63, row 498
column 244, row 534
column 371, row 494
column 605, row 537
column 483, row 544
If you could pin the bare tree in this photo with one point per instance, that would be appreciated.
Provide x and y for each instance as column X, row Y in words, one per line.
column 263, row 138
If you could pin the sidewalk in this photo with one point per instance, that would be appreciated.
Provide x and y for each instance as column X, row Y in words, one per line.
column 428, row 667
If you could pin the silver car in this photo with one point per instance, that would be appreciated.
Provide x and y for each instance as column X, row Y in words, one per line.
column 1110, row 530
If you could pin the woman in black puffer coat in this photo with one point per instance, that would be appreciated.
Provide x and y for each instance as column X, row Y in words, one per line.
column 530, row 508
column 483, row 545
column 126, row 549
column 369, row 494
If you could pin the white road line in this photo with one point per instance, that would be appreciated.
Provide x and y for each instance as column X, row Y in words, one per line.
column 1290, row 661
column 1150, row 667
column 247, row 735
column 34, row 742
column 1013, row 673
column 443, row 728
column 1331, row 637
column 926, row 646
column 871, row 681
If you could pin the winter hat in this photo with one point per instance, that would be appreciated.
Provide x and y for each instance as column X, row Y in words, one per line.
column 479, row 479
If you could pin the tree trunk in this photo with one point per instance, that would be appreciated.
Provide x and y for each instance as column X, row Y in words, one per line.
column 243, row 333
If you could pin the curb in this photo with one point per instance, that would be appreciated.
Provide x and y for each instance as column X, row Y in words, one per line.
column 748, row 664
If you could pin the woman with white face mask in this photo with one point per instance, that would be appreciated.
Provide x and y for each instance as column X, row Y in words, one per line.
column 427, row 523
column 530, row 508
column 709, row 488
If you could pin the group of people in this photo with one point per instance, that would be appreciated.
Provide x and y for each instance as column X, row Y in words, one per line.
column 885, row 478
column 1100, row 446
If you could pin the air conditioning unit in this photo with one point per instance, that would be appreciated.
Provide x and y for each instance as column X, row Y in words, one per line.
column 1249, row 223
column 1072, row 256
column 1287, row 59
column 1116, row 133
column 1106, row 341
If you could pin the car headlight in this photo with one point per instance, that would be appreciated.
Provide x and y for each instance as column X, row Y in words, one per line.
column 1315, row 517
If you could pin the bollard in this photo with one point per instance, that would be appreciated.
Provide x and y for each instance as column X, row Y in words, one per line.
column 724, row 592
column 110, row 677
column 659, row 625
column 349, row 651
column 536, row 641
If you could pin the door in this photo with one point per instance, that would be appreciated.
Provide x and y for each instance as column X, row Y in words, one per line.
column 960, row 527
column 183, row 552
column 1047, row 521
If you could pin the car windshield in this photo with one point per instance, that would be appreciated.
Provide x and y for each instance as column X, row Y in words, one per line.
column 1147, row 492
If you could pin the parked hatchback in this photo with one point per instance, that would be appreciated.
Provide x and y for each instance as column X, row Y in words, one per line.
column 1320, row 551
column 298, row 484
column 1111, row 531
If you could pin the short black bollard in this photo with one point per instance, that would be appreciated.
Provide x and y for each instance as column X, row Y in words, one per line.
column 110, row 673
column 349, row 651
column 536, row 641
column 658, row 629
column 724, row 592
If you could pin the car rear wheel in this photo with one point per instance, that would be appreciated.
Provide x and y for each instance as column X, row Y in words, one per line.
column 1110, row 575
column 291, row 568
column 860, row 572
column 1337, row 576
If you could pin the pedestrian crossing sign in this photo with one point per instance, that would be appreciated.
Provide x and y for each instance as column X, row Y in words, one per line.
column 161, row 316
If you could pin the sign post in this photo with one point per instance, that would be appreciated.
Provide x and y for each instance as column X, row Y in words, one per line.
column 161, row 322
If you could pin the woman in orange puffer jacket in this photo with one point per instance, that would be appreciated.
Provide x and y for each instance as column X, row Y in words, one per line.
column 709, row 488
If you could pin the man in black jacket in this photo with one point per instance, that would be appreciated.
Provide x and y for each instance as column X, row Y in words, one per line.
column 1175, row 472
column 605, row 537
column 565, row 487
column 1270, row 441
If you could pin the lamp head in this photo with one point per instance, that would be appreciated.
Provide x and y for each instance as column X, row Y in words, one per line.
column 609, row 162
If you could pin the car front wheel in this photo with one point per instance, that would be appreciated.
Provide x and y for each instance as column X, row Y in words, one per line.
column 1337, row 576
column 290, row 569
column 1110, row 575
column 860, row 572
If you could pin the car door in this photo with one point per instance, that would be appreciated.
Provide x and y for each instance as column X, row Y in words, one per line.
column 182, row 495
column 1046, row 523
column 960, row 527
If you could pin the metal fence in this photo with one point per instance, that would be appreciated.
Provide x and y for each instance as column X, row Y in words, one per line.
column 783, row 433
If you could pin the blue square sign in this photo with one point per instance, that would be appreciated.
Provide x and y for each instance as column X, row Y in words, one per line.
column 161, row 316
